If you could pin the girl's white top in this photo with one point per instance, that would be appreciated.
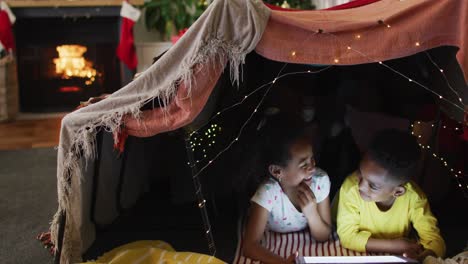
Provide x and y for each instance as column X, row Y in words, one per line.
column 284, row 217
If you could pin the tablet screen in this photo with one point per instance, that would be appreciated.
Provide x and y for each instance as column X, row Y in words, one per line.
column 356, row 259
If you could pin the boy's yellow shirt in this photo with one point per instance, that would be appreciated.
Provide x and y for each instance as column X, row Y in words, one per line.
column 358, row 220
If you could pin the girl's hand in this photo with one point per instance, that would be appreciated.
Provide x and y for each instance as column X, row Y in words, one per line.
column 306, row 199
column 291, row 258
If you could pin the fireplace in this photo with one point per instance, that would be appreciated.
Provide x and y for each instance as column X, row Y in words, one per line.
column 66, row 55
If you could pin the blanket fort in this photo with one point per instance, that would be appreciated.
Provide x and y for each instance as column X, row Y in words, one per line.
column 183, row 79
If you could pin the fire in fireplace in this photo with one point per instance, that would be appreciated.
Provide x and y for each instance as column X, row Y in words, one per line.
column 65, row 56
column 72, row 64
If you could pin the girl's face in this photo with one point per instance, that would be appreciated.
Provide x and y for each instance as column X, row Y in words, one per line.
column 301, row 165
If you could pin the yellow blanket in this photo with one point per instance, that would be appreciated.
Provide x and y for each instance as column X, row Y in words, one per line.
column 150, row 252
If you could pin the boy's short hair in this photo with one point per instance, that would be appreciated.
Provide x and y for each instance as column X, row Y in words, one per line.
column 396, row 151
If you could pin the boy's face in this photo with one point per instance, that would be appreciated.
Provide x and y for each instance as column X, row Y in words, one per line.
column 375, row 183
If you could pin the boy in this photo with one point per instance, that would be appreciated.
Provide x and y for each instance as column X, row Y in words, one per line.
column 379, row 205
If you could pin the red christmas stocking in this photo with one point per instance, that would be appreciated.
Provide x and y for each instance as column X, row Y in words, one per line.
column 126, row 49
column 7, row 19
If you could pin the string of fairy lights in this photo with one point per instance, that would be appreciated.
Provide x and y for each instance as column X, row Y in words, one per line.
column 198, row 139
column 271, row 83
column 445, row 77
column 457, row 174
column 349, row 48
column 208, row 139
column 334, row 62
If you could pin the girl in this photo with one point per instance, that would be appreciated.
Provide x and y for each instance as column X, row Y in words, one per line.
column 293, row 194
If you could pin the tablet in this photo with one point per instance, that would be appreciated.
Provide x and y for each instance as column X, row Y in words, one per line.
column 356, row 259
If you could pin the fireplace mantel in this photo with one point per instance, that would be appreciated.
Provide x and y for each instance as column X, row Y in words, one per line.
column 68, row 3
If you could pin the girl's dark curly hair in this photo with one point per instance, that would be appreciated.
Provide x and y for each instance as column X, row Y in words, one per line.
column 271, row 145
column 397, row 152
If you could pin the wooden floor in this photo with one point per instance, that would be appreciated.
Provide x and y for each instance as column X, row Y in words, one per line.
column 30, row 133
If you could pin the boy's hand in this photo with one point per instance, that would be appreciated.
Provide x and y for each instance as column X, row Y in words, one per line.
column 306, row 199
column 408, row 248
column 421, row 256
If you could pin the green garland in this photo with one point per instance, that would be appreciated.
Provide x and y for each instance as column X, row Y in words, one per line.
column 171, row 16
column 297, row 4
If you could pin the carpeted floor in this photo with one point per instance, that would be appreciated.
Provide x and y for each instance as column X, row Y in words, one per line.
column 27, row 203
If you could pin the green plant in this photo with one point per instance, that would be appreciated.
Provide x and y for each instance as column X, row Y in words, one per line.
column 298, row 4
column 171, row 16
